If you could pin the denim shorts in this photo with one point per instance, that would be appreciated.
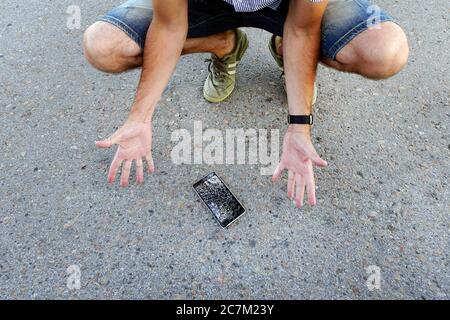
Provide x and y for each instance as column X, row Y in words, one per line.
column 343, row 20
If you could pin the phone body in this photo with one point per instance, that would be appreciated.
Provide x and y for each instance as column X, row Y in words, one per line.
column 218, row 198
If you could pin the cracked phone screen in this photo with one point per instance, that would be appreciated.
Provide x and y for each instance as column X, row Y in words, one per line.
column 219, row 199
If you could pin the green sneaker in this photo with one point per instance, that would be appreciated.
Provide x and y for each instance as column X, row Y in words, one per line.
column 279, row 60
column 222, row 71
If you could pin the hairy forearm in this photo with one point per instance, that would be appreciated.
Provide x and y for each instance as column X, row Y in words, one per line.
column 162, row 51
column 301, row 55
column 301, row 50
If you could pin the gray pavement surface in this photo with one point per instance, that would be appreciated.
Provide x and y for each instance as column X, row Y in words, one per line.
column 383, row 200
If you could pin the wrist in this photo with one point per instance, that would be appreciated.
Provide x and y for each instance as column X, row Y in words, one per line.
column 300, row 123
column 139, row 113
column 300, row 128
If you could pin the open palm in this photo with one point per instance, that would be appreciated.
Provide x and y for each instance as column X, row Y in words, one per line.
column 298, row 158
column 135, row 143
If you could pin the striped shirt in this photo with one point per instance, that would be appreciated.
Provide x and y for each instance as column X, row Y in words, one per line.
column 253, row 5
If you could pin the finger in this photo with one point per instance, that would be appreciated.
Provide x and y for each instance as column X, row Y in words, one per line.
column 107, row 143
column 290, row 185
column 299, row 190
column 139, row 171
column 311, row 189
column 115, row 138
column 103, row 144
column 278, row 171
column 150, row 164
column 125, row 173
column 318, row 161
column 115, row 164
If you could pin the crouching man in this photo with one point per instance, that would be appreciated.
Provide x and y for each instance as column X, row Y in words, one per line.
column 347, row 35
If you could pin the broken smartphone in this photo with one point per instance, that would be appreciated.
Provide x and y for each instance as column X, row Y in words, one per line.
column 219, row 199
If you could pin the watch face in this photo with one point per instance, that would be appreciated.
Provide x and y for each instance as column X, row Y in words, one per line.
column 303, row 119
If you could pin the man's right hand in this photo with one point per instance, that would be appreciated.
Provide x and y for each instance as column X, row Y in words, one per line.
column 160, row 56
column 135, row 144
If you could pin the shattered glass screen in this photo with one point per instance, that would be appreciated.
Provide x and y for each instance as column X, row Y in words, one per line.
column 219, row 199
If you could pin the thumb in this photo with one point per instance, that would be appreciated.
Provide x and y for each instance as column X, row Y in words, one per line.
column 107, row 143
column 104, row 144
column 317, row 160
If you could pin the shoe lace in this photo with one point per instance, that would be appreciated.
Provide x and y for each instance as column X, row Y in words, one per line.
column 218, row 68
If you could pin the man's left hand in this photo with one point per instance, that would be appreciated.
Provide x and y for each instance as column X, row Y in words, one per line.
column 298, row 158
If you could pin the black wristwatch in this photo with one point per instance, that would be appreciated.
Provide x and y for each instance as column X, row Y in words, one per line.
column 305, row 119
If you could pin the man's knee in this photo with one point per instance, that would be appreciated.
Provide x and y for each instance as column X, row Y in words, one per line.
column 380, row 53
column 108, row 49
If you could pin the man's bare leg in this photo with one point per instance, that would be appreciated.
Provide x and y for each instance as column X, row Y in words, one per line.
column 219, row 44
column 377, row 53
column 109, row 49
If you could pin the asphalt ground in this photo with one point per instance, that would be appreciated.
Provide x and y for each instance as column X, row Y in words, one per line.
column 383, row 201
